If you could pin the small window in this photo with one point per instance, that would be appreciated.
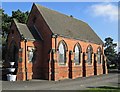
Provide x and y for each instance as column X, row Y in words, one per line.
column 99, row 55
column 62, row 53
column 77, row 54
column 31, row 54
column 89, row 53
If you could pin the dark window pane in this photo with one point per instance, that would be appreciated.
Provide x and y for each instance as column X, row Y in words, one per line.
column 89, row 57
column 30, row 56
column 76, row 57
column 99, row 58
column 62, row 53
column 61, row 58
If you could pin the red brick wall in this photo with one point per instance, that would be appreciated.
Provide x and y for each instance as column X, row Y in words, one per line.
column 46, row 43
column 33, row 68
column 62, row 71
column 14, row 37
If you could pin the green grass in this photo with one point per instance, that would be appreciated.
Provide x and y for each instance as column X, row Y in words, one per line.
column 105, row 89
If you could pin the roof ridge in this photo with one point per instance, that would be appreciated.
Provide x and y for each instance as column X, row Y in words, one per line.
column 16, row 23
column 18, row 26
column 38, row 5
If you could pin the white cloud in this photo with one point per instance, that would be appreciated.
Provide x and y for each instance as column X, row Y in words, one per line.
column 106, row 10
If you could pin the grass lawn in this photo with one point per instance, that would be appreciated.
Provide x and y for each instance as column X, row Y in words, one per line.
column 104, row 89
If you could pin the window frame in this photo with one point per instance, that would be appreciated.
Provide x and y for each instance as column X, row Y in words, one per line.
column 89, row 54
column 31, row 49
column 99, row 55
column 79, row 54
column 65, row 50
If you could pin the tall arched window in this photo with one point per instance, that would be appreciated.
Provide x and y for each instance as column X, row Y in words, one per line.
column 99, row 55
column 77, row 55
column 89, row 53
column 62, row 53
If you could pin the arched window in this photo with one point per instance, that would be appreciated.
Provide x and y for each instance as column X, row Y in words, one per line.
column 62, row 53
column 31, row 54
column 77, row 55
column 89, row 53
column 99, row 55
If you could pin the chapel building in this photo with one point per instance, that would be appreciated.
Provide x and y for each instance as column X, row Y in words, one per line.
column 54, row 46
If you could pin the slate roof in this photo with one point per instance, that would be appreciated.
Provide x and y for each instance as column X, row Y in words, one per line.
column 28, row 33
column 67, row 26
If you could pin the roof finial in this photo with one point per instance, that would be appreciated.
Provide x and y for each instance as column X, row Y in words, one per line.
column 71, row 16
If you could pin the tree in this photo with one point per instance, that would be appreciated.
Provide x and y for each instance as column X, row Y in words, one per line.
column 109, row 51
column 20, row 16
column 6, row 20
column 6, row 23
column 119, row 60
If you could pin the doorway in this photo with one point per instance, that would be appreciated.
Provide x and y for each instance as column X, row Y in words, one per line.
column 13, row 55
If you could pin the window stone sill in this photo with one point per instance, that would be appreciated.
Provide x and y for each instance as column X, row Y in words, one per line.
column 62, row 64
column 77, row 63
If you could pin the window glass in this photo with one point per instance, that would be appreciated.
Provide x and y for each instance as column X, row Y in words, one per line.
column 89, row 54
column 77, row 55
column 99, row 56
column 30, row 56
column 61, row 53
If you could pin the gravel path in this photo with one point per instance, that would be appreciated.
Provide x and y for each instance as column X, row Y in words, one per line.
column 69, row 84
